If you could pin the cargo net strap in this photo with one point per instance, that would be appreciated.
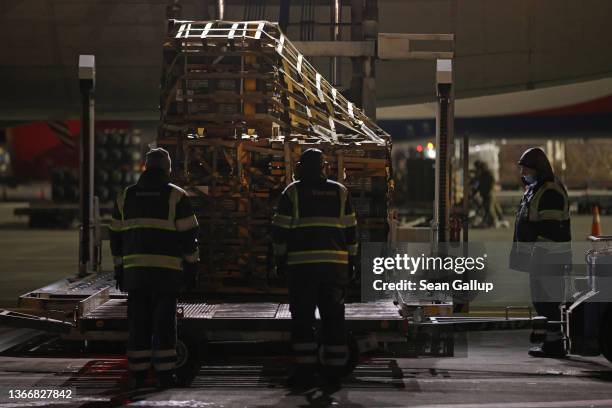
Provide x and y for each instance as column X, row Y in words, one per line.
column 325, row 105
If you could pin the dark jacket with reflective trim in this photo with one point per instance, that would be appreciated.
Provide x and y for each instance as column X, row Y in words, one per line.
column 315, row 225
column 153, row 231
column 542, row 222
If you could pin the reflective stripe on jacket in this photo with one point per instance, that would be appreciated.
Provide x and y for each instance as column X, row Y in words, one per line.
column 315, row 223
column 153, row 231
column 543, row 222
column 540, row 211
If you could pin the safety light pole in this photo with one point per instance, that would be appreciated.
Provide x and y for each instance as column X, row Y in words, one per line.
column 87, row 81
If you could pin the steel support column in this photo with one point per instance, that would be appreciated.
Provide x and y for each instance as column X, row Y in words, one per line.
column 336, row 18
column 283, row 15
column 87, row 77
column 357, row 62
column 370, row 32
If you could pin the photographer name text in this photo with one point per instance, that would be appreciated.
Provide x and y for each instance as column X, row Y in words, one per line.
column 425, row 285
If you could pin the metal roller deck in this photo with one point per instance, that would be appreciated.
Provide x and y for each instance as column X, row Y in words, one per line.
column 94, row 309
column 100, row 315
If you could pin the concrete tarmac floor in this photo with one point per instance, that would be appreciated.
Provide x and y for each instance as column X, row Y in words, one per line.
column 32, row 258
column 493, row 372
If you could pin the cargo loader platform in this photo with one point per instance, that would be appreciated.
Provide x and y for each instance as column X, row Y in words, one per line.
column 92, row 310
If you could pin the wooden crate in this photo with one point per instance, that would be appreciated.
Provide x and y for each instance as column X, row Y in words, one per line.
column 266, row 77
column 239, row 104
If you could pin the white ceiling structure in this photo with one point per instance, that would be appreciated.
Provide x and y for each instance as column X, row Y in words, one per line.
column 511, row 103
column 502, row 46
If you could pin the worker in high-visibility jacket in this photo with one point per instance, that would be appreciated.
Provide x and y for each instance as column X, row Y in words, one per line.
column 154, row 244
column 314, row 231
column 542, row 246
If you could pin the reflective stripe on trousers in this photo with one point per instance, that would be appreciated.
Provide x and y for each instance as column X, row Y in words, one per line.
column 305, row 353
column 139, row 360
column 333, row 355
column 164, row 360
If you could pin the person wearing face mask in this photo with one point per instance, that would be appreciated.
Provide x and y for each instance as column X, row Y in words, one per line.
column 541, row 245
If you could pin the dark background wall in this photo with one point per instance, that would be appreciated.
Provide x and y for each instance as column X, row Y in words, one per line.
column 502, row 45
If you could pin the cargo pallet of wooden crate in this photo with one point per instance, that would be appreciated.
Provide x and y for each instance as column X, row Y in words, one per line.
column 239, row 104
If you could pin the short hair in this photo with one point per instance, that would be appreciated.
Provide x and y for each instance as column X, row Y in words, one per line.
column 158, row 158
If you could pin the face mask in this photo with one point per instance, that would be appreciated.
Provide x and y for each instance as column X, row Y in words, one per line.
column 527, row 180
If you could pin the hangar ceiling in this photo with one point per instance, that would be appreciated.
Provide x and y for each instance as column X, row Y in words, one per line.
column 501, row 46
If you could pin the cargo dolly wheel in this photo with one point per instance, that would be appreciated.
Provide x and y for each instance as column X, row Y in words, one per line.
column 189, row 353
column 348, row 367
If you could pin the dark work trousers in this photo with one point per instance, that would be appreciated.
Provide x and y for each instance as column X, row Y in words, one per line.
column 312, row 286
column 492, row 210
column 547, row 284
column 152, row 323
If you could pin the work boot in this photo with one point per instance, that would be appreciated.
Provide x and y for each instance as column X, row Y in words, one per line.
column 166, row 380
column 301, row 377
column 553, row 349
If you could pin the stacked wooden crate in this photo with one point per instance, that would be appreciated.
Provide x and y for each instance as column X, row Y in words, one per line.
column 238, row 106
